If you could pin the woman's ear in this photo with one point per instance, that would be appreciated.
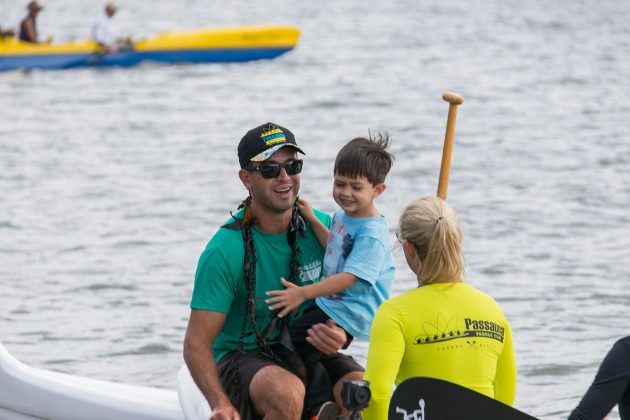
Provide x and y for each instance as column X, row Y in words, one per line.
column 411, row 256
column 409, row 249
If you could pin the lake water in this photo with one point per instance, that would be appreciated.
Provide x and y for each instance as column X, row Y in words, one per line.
column 112, row 181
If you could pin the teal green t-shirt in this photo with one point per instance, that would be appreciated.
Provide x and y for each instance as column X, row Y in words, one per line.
column 220, row 283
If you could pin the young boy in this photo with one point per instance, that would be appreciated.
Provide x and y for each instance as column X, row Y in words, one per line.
column 358, row 265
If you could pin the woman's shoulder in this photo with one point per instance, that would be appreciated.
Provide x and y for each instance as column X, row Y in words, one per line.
column 395, row 307
column 404, row 300
column 456, row 292
column 485, row 304
column 478, row 292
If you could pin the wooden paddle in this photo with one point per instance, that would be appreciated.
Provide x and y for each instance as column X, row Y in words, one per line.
column 453, row 99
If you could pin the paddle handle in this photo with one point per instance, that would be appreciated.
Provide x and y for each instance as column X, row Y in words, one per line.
column 447, row 151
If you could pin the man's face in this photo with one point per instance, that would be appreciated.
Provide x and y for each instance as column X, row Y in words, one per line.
column 277, row 194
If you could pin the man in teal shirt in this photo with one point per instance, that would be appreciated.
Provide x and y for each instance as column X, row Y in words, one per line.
column 233, row 342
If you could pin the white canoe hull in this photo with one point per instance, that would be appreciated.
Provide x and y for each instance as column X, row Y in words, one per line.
column 27, row 393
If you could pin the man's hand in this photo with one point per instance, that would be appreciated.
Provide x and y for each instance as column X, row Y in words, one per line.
column 328, row 338
column 224, row 411
column 288, row 299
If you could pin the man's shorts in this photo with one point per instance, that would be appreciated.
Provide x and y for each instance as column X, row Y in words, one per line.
column 337, row 366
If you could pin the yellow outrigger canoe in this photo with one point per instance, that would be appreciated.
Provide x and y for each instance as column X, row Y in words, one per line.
column 221, row 45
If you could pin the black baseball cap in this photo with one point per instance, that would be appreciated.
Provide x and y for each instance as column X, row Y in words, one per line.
column 260, row 143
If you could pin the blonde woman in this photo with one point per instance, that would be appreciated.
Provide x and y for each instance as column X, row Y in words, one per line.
column 444, row 328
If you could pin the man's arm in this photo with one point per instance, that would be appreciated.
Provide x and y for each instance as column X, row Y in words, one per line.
column 293, row 296
column 203, row 328
column 609, row 386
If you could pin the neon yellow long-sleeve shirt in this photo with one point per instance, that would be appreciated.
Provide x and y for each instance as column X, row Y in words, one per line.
column 449, row 331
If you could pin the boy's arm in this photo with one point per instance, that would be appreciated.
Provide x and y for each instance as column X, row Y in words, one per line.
column 320, row 230
column 293, row 296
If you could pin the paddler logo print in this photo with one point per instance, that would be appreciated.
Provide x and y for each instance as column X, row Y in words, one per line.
column 453, row 329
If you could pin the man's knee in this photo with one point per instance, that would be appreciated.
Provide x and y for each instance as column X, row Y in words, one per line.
column 277, row 393
column 351, row 376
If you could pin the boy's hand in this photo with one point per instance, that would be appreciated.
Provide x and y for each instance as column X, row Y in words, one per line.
column 306, row 209
column 287, row 299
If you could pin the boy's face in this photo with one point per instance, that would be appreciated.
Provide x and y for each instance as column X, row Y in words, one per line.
column 356, row 196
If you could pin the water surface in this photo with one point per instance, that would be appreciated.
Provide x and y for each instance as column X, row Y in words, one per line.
column 113, row 180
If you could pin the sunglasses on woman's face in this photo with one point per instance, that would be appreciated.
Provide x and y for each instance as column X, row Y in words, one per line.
column 272, row 170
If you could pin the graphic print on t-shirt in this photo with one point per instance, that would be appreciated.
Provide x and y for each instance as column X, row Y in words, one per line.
column 339, row 247
column 346, row 248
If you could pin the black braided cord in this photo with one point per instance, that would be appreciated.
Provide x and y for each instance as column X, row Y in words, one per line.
column 233, row 378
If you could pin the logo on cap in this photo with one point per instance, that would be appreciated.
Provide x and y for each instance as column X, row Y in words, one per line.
column 273, row 136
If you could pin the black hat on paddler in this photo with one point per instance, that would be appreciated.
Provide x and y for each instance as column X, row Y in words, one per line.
column 259, row 143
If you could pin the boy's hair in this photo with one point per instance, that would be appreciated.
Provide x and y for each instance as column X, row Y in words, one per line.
column 365, row 156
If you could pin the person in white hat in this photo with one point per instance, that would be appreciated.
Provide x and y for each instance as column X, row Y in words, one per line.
column 104, row 32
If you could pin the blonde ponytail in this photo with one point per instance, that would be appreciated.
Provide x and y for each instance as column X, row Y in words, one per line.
column 431, row 225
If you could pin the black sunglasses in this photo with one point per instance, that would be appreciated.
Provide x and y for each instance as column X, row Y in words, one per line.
column 272, row 170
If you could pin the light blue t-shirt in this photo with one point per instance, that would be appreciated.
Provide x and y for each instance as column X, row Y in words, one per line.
column 359, row 246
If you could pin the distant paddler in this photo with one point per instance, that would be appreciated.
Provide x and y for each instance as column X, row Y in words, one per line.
column 27, row 30
column 105, row 33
